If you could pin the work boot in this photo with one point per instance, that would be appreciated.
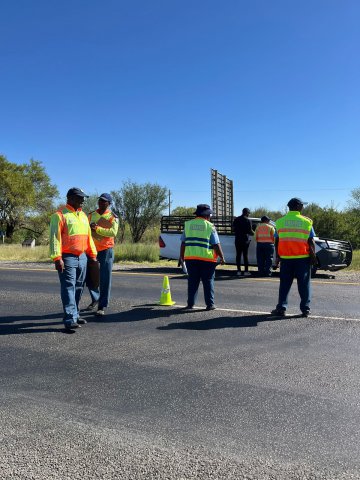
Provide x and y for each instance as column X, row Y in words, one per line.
column 92, row 307
column 278, row 312
column 69, row 326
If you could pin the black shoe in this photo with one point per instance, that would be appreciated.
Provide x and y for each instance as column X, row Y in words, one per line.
column 92, row 307
column 188, row 307
column 81, row 321
column 210, row 307
column 305, row 314
column 278, row 312
column 71, row 326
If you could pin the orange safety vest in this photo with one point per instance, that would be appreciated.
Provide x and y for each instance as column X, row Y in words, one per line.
column 264, row 233
column 106, row 230
column 70, row 233
column 293, row 230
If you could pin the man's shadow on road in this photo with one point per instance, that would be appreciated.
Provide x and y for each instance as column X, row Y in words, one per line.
column 29, row 324
column 218, row 323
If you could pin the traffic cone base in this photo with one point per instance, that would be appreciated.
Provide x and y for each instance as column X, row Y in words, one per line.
column 165, row 297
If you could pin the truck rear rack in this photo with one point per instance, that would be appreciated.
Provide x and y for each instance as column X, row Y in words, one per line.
column 175, row 224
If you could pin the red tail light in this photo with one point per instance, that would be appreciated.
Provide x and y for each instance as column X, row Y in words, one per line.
column 161, row 243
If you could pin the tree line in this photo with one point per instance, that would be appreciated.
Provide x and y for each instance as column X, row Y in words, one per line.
column 28, row 198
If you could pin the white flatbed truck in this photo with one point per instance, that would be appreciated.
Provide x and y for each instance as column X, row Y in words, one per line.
column 332, row 255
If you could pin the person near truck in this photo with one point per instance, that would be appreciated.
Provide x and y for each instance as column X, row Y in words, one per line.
column 295, row 250
column 104, row 227
column 264, row 236
column 201, row 249
column 243, row 231
column 71, row 245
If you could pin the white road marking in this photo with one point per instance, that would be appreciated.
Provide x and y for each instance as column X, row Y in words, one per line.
column 288, row 316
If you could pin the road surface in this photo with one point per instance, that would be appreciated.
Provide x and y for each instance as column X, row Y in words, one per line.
column 153, row 392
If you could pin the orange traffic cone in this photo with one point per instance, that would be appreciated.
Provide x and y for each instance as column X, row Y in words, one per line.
column 165, row 297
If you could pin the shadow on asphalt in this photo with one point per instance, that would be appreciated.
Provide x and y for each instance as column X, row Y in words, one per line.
column 220, row 322
column 33, row 324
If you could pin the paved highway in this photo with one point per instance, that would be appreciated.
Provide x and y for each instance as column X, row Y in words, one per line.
column 153, row 392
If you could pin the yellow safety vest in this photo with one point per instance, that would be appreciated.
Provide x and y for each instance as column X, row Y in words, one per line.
column 197, row 240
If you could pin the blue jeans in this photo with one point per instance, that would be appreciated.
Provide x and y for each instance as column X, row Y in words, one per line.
column 102, row 294
column 299, row 268
column 72, row 284
column 265, row 254
column 204, row 271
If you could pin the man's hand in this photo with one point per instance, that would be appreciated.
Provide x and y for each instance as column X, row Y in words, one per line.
column 92, row 260
column 222, row 261
column 59, row 265
column 93, row 226
column 313, row 259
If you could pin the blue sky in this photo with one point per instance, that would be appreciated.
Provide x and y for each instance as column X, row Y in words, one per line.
column 266, row 92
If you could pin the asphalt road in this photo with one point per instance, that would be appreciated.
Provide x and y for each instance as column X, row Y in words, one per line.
column 152, row 392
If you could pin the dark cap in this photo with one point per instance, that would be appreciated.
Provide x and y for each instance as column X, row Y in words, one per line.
column 76, row 191
column 246, row 211
column 106, row 196
column 265, row 218
column 203, row 210
column 296, row 202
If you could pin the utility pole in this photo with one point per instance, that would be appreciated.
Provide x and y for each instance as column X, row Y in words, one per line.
column 169, row 201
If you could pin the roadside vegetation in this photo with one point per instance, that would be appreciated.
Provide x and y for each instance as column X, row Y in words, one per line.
column 28, row 198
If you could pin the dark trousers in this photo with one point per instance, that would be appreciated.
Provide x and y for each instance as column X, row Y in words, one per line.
column 264, row 255
column 102, row 294
column 204, row 271
column 299, row 268
column 242, row 249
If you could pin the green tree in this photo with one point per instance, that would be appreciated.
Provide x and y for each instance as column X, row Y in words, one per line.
column 259, row 212
column 140, row 206
column 354, row 202
column 183, row 211
column 26, row 197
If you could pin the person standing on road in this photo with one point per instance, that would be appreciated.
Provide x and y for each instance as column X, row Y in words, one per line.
column 201, row 248
column 243, row 231
column 71, row 245
column 264, row 236
column 295, row 250
column 104, row 226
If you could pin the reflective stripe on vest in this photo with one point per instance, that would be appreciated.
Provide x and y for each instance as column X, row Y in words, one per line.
column 264, row 233
column 293, row 230
column 197, row 240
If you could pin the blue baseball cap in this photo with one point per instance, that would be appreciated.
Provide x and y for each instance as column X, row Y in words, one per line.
column 296, row 202
column 106, row 196
column 76, row 191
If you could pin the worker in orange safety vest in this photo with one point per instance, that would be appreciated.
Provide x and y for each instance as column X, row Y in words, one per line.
column 295, row 250
column 104, row 226
column 71, row 245
column 264, row 236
